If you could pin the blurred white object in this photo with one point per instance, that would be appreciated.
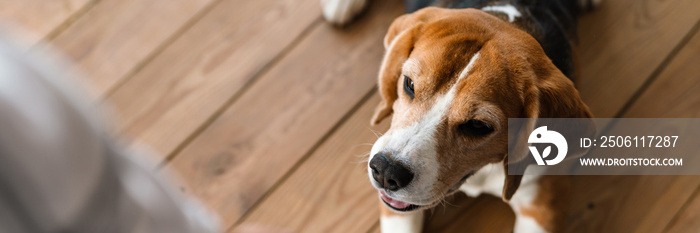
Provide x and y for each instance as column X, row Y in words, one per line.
column 340, row 12
column 60, row 171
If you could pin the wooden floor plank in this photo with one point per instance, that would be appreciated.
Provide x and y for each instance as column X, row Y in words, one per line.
column 115, row 36
column 687, row 220
column 329, row 192
column 259, row 138
column 376, row 228
column 645, row 203
column 627, row 203
column 675, row 94
column 175, row 94
column 38, row 18
column 623, row 42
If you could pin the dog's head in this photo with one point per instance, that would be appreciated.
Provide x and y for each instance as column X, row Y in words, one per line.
column 452, row 78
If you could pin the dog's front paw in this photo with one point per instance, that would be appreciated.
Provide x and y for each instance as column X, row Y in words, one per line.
column 341, row 12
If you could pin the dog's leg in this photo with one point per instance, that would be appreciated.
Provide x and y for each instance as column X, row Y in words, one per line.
column 340, row 12
column 540, row 204
column 400, row 222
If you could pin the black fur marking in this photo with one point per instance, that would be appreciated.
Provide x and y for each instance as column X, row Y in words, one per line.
column 551, row 22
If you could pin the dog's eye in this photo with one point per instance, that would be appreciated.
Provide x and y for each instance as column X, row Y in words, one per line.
column 408, row 86
column 475, row 128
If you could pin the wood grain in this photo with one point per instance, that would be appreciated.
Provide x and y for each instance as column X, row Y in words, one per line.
column 37, row 18
column 329, row 192
column 376, row 228
column 687, row 220
column 115, row 36
column 259, row 138
column 645, row 203
column 169, row 99
column 627, row 203
column 675, row 94
column 623, row 42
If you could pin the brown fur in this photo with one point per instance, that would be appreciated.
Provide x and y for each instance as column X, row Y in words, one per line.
column 548, row 207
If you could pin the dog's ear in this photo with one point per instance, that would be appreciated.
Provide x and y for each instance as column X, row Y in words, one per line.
column 549, row 94
column 511, row 183
column 398, row 43
column 555, row 96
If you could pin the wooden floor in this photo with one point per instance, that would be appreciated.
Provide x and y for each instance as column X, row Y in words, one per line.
column 263, row 109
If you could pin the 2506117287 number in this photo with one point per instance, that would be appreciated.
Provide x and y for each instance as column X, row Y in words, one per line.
column 638, row 141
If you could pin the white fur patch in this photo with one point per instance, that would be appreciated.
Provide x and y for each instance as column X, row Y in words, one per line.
column 529, row 187
column 507, row 9
column 405, row 223
column 524, row 224
column 526, row 193
column 489, row 179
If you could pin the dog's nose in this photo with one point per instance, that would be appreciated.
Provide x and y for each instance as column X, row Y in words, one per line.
column 390, row 175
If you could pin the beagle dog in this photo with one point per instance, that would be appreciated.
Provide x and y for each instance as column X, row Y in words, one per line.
column 452, row 75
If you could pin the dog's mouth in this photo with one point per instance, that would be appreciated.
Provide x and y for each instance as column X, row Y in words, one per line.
column 402, row 206
column 396, row 204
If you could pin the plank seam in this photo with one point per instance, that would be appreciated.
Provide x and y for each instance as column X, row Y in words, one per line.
column 373, row 227
column 68, row 22
column 250, row 82
column 677, row 216
column 657, row 72
column 159, row 49
column 306, row 156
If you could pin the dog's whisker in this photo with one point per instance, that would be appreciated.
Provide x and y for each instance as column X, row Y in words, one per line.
column 363, row 155
column 366, row 154
column 361, row 144
column 376, row 133
column 363, row 161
